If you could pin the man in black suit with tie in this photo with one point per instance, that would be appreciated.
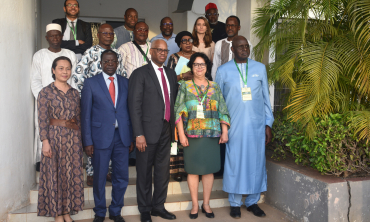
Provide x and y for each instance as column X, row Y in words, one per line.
column 76, row 33
column 151, row 99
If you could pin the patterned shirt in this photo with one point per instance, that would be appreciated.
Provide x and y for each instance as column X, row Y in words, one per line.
column 89, row 66
column 132, row 57
column 215, row 110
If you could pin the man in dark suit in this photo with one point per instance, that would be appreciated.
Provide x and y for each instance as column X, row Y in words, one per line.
column 76, row 33
column 107, row 134
column 152, row 95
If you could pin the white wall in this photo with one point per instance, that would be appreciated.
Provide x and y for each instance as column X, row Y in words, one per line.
column 150, row 10
column 225, row 9
column 18, row 43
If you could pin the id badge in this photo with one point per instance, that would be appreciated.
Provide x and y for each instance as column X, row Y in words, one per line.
column 144, row 63
column 174, row 148
column 200, row 113
column 246, row 93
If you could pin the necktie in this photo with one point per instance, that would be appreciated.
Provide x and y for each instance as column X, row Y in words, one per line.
column 112, row 90
column 167, row 114
column 71, row 36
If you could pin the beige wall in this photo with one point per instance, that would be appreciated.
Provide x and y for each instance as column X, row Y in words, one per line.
column 150, row 10
column 18, row 43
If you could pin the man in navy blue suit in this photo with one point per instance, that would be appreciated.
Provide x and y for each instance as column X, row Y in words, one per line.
column 107, row 133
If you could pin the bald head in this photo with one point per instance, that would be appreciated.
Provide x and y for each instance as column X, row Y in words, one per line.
column 240, row 48
column 103, row 26
column 237, row 39
column 158, row 42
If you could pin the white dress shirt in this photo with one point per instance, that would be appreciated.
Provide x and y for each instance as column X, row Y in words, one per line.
column 159, row 76
column 67, row 33
column 107, row 82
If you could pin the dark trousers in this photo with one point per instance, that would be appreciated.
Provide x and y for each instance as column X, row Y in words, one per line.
column 158, row 155
column 118, row 153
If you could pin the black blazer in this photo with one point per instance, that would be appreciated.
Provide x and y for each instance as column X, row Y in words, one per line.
column 83, row 33
column 146, row 105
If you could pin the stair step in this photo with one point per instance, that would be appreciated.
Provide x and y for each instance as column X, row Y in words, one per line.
column 221, row 215
column 174, row 202
column 131, row 173
column 174, row 187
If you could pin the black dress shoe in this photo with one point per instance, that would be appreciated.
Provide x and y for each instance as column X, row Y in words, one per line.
column 256, row 210
column 235, row 212
column 145, row 217
column 118, row 218
column 164, row 214
column 209, row 215
column 98, row 219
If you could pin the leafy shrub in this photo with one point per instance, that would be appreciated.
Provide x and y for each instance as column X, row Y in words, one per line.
column 334, row 149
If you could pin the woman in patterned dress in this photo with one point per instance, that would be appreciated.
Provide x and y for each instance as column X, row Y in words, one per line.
column 202, row 121
column 61, row 188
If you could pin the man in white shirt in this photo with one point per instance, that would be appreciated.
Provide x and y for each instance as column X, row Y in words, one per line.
column 41, row 75
column 151, row 99
column 76, row 33
column 223, row 52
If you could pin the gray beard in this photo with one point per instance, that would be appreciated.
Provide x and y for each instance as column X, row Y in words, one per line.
column 213, row 23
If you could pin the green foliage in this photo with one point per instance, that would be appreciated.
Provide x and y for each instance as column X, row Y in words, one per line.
column 322, row 54
column 334, row 149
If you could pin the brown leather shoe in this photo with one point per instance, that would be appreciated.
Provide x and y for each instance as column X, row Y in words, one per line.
column 109, row 177
column 90, row 181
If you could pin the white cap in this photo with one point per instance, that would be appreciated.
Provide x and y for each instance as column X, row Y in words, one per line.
column 53, row 26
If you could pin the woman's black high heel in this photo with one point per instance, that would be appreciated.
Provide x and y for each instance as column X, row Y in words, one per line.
column 209, row 215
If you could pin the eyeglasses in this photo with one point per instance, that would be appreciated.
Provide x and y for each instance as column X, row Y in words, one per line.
column 210, row 14
column 231, row 26
column 242, row 47
column 161, row 51
column 142, row 30
column 107, row 33
column 199, row 65
column 72, row 5
column 109, row 62
column 167, row 24
column 184, row 41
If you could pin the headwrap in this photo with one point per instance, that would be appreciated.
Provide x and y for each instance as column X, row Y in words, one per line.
column 53, row 26
column 180, row 35
column 211, row 6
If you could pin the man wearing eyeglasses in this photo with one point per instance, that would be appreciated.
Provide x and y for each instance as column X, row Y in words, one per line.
column 217, row 27
column 89, row 66
column 76, row 33
column 136, row 53
column 223, row 52
column 151, row 97
column 168, row 36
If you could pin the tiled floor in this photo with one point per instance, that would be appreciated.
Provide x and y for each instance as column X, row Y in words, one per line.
column 221, row 215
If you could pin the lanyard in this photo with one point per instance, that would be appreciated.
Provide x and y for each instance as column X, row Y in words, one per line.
column 241, row 74
column 205, row 94
column 73, row 31
column 146, row 54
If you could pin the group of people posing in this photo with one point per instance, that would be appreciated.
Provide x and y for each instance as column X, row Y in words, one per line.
column 187, row 105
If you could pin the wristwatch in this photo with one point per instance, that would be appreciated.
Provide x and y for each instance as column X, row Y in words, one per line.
column 139, row 136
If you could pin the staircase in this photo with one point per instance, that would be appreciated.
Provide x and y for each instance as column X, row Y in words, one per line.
column 178, row 199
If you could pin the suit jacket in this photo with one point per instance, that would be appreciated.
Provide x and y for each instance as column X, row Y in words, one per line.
column 83, row 33
column 146, row 102
column 98, row 114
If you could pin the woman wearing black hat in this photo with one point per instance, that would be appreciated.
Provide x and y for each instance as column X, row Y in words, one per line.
column 178, row 61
